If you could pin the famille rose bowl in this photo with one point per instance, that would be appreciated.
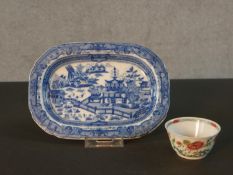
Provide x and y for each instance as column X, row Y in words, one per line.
column 192, row 137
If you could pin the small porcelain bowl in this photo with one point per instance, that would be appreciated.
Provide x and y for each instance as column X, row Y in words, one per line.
column 192, row 137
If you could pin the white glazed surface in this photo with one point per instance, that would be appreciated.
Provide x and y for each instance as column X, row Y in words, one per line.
column 196, row 128
column 192, row 137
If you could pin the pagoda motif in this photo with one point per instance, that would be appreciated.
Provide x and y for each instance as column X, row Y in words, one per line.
column 112, row 93
column 114, row 84
column 87, row 93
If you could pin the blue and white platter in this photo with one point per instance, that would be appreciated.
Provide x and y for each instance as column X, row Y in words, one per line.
column 98, row 90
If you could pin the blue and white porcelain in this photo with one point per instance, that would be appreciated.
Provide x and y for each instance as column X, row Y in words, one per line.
column 98, row 90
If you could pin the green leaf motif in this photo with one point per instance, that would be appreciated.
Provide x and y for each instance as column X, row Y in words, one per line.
column 186, row 142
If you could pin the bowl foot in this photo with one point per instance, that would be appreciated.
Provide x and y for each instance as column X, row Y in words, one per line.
column 190, row 158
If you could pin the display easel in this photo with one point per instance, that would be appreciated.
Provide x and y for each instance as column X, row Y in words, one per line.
column 103, row 143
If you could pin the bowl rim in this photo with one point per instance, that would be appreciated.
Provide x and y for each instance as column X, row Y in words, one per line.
column 178, row 119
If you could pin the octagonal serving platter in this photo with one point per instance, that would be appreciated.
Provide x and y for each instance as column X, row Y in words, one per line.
column 98, row 90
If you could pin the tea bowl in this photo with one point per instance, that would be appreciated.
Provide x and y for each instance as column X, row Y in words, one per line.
column 192, row 137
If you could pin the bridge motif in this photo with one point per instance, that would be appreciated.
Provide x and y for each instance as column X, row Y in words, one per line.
column 94, row 92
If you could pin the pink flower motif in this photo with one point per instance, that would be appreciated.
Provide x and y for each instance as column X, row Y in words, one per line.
column 195, row 145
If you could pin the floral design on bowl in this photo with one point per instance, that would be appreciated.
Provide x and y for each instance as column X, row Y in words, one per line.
column 192, row 137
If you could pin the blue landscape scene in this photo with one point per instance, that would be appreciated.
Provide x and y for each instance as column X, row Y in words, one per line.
column 92, row 91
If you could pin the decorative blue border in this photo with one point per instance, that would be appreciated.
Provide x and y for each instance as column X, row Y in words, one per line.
column 70, row 131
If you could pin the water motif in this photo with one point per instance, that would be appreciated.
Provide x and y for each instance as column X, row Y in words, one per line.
column 100, row 91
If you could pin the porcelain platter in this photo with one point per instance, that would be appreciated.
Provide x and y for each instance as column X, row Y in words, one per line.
column 98, row 90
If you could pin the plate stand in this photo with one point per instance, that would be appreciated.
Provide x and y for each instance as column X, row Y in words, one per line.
column 104, row 143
